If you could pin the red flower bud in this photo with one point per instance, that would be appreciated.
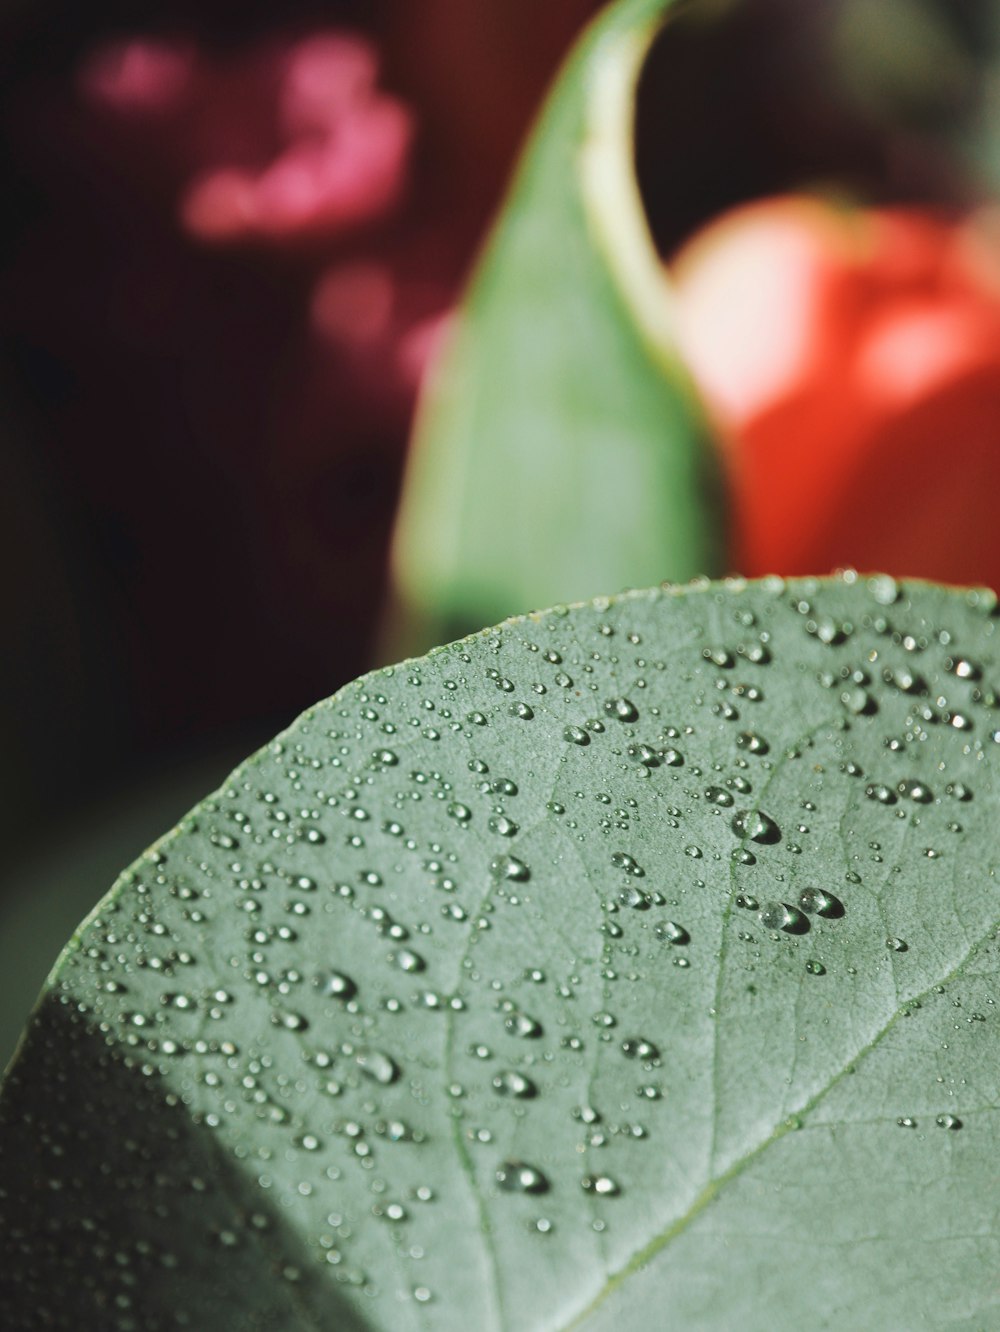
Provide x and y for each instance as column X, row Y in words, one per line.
column 851, row 359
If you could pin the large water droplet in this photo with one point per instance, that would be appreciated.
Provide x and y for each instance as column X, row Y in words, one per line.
column 752, row 743
column 884, row 589
column 377, row 1065
column 521, row 1024
column 817, row 901
column 622, row 708
column 518, row 1177
column 407, row 960
column 914, row 790
column 964, row 668
column 670, row 932
column 880, row 792
column 779, row 916
column 645, row 754
column 601, row 1184
column 858, row 701
column 756, row 825
column 633, row 898
column 509, row 867
column 623, row 861
column 512, row 1083
column 638, row 1047
column 718, row 795
column 336, row 985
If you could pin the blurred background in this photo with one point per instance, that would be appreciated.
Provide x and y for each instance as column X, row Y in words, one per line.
column 206, row 396
column 233, row 234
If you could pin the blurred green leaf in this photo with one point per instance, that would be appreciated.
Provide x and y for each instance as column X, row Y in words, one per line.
column 559, row 448
column 632, row 966
column 927, row 74
column 904, row 62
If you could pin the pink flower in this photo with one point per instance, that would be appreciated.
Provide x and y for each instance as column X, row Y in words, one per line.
column 139, row 75
column 287, row 141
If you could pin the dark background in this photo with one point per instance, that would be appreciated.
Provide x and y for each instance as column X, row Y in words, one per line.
column 195, row 513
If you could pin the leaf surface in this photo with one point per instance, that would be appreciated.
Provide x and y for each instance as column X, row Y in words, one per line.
column 560, row 447
column 632, row 964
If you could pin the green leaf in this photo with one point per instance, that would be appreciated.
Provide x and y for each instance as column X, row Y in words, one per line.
column 560, row 448
column 927, row 73
column 628, row 965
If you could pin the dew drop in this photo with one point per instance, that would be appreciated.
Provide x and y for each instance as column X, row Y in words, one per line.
column 718, row 795
column 634, row 898
column 407, row 960
column 600, row 1184
column 521, row 1024
column 512, row 1083
column 964, row 668
column 645, row 754
column 719, row 656
column 880, row 792
column 518, row 1177
column 858, row 701
column 916, row 791
column 335, row 985
column 756, row 825
column 637, row 1047
column 622, row 708
column 290, row 1021
column 377, row 1065
column 779, row 916
column 817, row 901
column 884, row 589
column 670, row 932
column 752, row 743
column 509, row 867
